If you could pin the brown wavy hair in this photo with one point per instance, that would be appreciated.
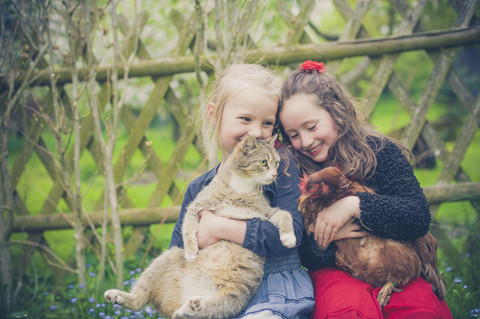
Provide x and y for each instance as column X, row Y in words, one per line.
column 353, row 149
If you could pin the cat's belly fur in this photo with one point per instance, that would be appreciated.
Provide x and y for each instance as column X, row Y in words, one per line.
column 222, row 268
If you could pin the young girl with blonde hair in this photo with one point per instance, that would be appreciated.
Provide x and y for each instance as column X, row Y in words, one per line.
column 244, row 103
column 321, row 124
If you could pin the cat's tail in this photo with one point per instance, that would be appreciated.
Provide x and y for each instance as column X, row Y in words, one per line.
column 426, row 248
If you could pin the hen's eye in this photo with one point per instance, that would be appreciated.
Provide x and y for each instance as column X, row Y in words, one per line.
column 263, row 162
column 313, row 187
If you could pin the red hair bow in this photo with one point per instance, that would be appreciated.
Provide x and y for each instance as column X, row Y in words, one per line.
column 313, row 66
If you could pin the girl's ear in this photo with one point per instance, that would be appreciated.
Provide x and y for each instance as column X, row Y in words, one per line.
column 211, row 112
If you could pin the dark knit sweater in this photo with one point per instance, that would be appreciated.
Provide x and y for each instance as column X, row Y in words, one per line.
column 399, row 210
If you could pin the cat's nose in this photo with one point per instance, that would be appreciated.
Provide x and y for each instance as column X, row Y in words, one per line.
column 274, row 175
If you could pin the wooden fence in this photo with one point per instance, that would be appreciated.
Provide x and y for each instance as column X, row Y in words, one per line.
column 379, row 53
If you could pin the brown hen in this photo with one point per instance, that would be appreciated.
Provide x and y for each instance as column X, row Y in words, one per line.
column 375, row 260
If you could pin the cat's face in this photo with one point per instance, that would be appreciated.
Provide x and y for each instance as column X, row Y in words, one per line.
column 257, row 160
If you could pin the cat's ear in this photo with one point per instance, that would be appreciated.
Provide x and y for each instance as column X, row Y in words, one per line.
column 271, row 140
column 249, row 143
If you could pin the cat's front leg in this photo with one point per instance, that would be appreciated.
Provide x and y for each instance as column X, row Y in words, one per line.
column 189, row 233
column 284, row 222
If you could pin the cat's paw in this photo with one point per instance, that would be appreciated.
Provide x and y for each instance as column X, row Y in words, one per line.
column 114, row 295
column 190, row 309
column 288, row 240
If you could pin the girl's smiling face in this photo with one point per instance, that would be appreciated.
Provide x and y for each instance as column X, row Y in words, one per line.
column 310, row 127
column 251, row 112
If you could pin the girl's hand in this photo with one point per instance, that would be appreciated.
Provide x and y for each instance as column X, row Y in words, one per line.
column 206, row 229
column 349, row 230
column 331, row 219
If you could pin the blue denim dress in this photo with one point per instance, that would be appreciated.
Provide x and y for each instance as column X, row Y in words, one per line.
column 286, row 289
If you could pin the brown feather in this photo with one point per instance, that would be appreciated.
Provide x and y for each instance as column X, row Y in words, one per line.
column 375, row 260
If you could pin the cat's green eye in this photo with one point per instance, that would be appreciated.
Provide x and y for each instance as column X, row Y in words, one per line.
column 263, row 162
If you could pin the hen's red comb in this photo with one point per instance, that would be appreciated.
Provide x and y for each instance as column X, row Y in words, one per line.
column 303, row 183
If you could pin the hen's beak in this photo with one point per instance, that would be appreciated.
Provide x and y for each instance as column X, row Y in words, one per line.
column 301, row 199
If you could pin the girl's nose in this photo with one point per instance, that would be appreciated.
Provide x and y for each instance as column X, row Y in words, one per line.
column 255, row 131
column 306, row 141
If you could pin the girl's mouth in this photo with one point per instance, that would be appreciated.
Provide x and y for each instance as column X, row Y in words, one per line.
column 317, row 149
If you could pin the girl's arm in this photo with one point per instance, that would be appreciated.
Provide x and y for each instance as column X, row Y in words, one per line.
column 262, row 237
column 212, row 228
column 192, row 191
column 177, row 239
column 399, row 210
column 313, row 257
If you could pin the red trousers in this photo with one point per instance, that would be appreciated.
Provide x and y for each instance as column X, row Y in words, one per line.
column 338, row 295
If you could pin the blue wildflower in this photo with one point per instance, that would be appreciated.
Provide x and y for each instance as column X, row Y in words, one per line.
column 449, row 269
column 132, row 272
column 102, row 314
column 73, row 300
column 457, row 280
column 118, row 312
column 91, row 300
column 53, row 307
column 71, row 286
column 139, row 270
column 92, row 274
column 81, row 286
column 149, row 309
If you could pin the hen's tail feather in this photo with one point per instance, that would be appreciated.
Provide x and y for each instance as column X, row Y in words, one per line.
column 426, row 248
column 435, row 279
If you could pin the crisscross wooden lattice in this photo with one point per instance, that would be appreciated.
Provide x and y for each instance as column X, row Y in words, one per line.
column 354, row 41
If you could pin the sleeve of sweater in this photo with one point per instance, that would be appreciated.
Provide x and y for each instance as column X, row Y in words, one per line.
column 399, row 210
column 313, row 258
column 262, row 237
column 192, row 191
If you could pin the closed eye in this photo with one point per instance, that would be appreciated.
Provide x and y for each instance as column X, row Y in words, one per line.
column 293, row 136
column 245, row 118
column 311, row 128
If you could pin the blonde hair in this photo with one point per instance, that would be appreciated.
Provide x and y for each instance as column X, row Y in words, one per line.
column 233, row 79
column 352, row 150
